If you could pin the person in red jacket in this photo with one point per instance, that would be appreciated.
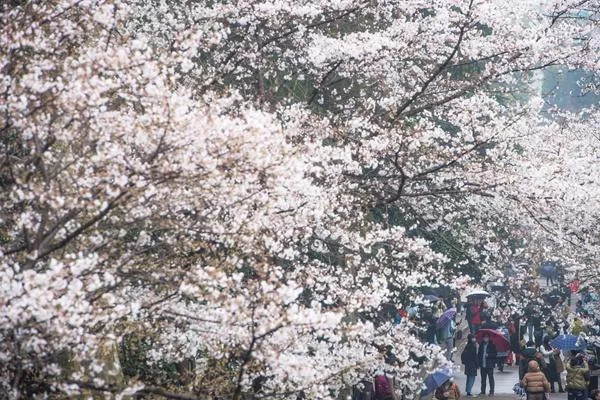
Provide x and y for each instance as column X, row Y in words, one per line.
column 476, row 316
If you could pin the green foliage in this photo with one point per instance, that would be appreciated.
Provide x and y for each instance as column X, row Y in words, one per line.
column 135, row 363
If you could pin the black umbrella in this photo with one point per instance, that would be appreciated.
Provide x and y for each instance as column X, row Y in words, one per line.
column 440, row 291
column 555, row 292
column 553, row 300
column 498, row 287
column 431, row 297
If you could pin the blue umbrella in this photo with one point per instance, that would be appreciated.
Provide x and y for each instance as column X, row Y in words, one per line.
column 445, row 318
column 549, row 269
column 568, row 342
column 435, row 380
column 431, row 297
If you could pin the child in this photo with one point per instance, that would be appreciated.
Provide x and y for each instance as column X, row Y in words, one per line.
column 535, row 382
column 448, row 391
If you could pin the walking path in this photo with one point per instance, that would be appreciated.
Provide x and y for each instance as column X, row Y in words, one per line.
column 504, row 383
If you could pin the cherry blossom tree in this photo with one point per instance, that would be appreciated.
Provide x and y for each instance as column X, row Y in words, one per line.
column 244, row 182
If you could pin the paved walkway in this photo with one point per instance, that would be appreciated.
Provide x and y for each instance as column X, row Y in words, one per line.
column 504, row 383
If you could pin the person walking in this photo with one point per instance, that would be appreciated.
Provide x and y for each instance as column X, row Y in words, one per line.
column 515, row 338
column 534, row 382
column 560, row 367
column 469, row 359
column 484, row 312
column 527, row 354
column 576, row 371
column 550, row 371
column 469, row 316
column 476, row 316
column 486, row 357
column 446, row 336
column 528, row 315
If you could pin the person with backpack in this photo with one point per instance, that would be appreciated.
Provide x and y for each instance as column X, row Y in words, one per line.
column 528, row 354
column 363, row 390
column 577, row 368
column 469, row 359
column 535, row 383
column 486, row 358
column 448, row 391
column 446, row 335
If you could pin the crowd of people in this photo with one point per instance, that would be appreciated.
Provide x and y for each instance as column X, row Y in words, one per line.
column 541, row 364
column 526, row 326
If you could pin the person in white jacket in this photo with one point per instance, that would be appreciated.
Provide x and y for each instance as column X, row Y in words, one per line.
column 551, row 370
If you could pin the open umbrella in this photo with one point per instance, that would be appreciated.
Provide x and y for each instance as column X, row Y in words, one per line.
column 556, row 292
column 568, row 342
column 440, row 291
column 553, row 299
column 431, row 297
column 445, row 318
column 478, row 295
column 435, row 380
column 549, row 268
column 502, row 344
column 498, row 287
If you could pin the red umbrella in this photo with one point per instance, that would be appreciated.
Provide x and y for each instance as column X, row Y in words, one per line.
column 501, row 343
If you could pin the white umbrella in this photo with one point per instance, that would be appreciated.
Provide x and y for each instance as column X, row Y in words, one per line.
column 478, row 294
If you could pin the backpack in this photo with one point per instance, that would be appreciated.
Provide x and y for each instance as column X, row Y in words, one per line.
column 383, row 388
column 524, row 367
column 539, row 357
column 456, row 391
column 439, row 392
column 458, row 335
column 363, row 391
column 469, row 312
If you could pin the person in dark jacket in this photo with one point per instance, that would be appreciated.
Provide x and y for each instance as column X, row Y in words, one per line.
column 469, row 316
column 486, row 357
column 487, row 323
column 469, row 359
column 528, row 354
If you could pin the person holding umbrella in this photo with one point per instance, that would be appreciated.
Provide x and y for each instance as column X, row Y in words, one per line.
column 476, row 297
column 551, row 371
column 486, row 357
column 446, row 327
